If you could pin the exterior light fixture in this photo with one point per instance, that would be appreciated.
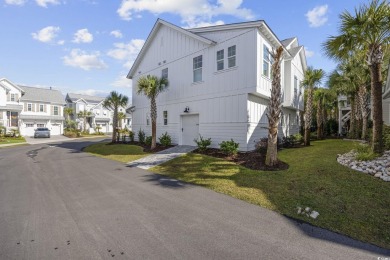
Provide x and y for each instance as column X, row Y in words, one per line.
column 186, row 110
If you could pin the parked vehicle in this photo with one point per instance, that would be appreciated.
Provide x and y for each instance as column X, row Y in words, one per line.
column 42, row 132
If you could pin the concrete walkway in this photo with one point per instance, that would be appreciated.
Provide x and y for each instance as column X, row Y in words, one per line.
column 161, row 157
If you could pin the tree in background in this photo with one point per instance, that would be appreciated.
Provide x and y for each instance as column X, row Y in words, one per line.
column 84, row 115
column 113, row 101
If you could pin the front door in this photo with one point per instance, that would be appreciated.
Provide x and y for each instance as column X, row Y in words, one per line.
column 12, row 119
column 190, row 129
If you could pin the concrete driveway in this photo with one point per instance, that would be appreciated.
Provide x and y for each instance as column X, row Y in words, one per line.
column 57, row 202
column 56, row 139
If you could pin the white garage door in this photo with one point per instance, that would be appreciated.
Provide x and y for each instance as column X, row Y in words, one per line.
column 55, row 129
column 29, row 129
column 190, row 129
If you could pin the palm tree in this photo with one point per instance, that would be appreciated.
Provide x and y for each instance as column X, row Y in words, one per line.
column 84, row 115
column 312, row 78
column 121, row 117
column 367, row 29
column 151, row 86
column 274, row 109
column 319, row 97
column 68, row 111
column 113, row 102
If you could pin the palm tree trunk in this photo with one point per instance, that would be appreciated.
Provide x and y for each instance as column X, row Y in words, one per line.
column 114, row 125
column 153, row 115
column 308, row 115
column 377, row 117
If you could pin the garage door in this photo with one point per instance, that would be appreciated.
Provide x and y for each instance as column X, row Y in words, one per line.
column 55, row 129
column 190, row 129
column 29, row 129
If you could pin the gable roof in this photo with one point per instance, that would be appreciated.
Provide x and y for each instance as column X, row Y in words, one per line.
column 42, row 94
column 153, row 33
column 287, row 42
column 12, row 84
column 88, row 99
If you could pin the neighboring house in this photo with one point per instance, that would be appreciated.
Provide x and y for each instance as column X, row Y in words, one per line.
column 219, row 82
column 100, row 116
column 386, row 100
column 27, row 108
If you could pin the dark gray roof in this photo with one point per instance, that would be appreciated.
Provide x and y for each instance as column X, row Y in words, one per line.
column 286, row 42
column 90, row 99
column 42, row 94
column 42, row 117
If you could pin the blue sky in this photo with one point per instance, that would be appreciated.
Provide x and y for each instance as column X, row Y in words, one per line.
column 88, row 46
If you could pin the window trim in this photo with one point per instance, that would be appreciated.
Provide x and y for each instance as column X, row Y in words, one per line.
column 54, row 111
column 267, row 61
column 43, row 108
column 13, row 97
column 163, row 74
column 29, row 107
column 221, row 59
column 233, row 56
column 165, row 117
column 295, row 84
column 195, row 61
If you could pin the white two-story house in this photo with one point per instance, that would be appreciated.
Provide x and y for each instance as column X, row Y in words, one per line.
column 26, row 108
column 219, row 82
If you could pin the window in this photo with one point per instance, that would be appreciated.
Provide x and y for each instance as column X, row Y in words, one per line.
column 41, row 108
column 198, row 68
column 13, row 97
column 29, row 107
column 295, row 85
column 164, row 73
column 165, row 116
column 29, row 125
column 55, row 110
column 40, row 125
column 147, row 119
column 220, row 63
column 267, row 61
column 232, row 56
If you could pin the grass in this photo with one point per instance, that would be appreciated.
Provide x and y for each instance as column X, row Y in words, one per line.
column 12, row 140
column 118, row 152
column 349, row 202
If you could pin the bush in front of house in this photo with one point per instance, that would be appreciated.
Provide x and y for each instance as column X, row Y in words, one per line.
column 364, row 153
column 165, row 139
column 229, row 147
column 141, row 136
column 148, row 140
column 131, row 136
column 202, row 143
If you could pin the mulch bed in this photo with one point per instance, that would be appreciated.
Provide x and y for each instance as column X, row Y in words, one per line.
column 253, row 160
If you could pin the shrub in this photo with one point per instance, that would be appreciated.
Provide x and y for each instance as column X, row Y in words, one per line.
column 386, row 137
column 262, row 144
column 148, row 141
column 141, row 136
column 165, row 139
column 331, row 127
column 298, row 138
column 202, row 143
column 364, row 153
column 229, row 147
column 131, row 136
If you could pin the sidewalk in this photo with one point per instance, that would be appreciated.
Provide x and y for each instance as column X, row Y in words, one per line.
column 161, row 157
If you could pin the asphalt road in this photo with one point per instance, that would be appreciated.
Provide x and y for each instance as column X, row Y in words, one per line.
column 59, row 203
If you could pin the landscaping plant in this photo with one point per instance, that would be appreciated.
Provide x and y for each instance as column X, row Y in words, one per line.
column 229, row 147
column 141, row 136
column 165, row 139
column 202, row 143
column 148, row 140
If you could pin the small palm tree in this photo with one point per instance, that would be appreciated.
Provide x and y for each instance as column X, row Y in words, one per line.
column 312, row 78
column 84, row 115
column 121, row 117
column 97, row 128
column 68, row 111
column 274, row 109
column 367, row 29
column 113, row 102
column 151, row 87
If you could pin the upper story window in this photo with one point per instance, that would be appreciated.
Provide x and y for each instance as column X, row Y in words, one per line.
column 164, row 73
column 13, row 97
column 295, row 84
column 55, row 111
column 198, row 64
column 29, row 107
column 147, row 119
column 41, row 108
column 220, row 62
column 267, row 62
column 165, row 116
column 232, row 56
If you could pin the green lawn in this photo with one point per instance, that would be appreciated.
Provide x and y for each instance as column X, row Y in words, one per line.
column 11, row 140
column 349, row 202
column 118, row 152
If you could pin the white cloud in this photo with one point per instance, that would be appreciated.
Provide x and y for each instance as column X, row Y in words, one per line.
column 83, row 35
column 309, row 53
column 192, row 12
column 61, row 42
column 81, row 59
column 121, row 82
column 15, row 2
column 47, row 34
column 116, row 34
column 92, row 92
column 205, row 24
column 127, row 52
column 44, row 3
column 317, row 16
